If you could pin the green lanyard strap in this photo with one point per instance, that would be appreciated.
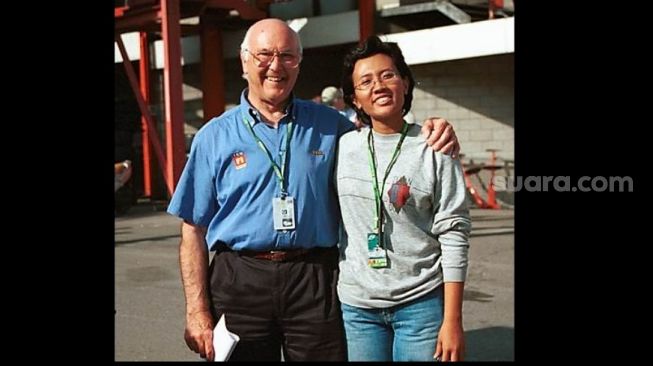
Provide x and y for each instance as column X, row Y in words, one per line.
column 378, row 219
column 279, row 171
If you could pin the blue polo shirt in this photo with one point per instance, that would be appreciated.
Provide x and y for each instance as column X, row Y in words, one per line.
column 228, row 182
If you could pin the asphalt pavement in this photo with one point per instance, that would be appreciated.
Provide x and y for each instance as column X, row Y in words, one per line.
column 149, row 300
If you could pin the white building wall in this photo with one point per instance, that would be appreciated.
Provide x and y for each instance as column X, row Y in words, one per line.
column 476, row 95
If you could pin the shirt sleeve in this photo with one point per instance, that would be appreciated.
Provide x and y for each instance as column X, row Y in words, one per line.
column 195, row 198
column 451, row 222
column 344, row 125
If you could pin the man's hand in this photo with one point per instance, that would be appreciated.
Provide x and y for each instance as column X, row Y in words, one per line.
column 440, row 136
column 199, row 334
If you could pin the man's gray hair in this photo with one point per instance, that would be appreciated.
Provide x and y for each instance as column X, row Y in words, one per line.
column 244, row 48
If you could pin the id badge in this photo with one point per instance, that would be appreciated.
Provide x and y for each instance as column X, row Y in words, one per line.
column 376, row 256
column 283, row 212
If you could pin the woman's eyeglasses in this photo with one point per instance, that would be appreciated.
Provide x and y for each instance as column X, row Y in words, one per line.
column 387, row 78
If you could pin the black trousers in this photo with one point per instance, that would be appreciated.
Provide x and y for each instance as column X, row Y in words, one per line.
column 280, row 305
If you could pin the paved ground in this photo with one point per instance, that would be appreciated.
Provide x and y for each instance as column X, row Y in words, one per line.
column 149, row 300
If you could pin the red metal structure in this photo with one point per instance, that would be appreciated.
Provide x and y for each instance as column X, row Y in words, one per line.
column 366, row 11
column 493, row 6
column 491, row 193
column 470, row 169
column 162, row 18
column 153, row 16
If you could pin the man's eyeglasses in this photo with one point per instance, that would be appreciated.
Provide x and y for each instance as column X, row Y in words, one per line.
column 264, row 58
column 387, row 78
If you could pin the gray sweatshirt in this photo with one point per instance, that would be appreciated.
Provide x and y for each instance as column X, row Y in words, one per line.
column 427, row 221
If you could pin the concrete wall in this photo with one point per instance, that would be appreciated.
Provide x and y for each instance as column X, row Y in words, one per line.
column 476, row 95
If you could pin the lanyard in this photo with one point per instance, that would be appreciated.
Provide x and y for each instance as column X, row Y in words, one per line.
column 279, row 172
column 378, row 219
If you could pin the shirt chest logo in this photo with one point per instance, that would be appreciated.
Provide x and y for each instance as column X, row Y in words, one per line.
column 239, row 160
column 399, row 193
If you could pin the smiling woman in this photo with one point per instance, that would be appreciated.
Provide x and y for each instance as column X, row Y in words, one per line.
column 392, row 73
column 379, row 92
column 404, row 248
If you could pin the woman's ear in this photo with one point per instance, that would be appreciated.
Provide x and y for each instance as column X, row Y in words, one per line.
column 406, row 84
column 356, row 103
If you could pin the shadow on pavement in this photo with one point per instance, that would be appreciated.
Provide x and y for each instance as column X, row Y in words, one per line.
column 490, row 344
column 479, row 218
column 153, row 239
column 492, row 231
column 141, row 209
column 472, row 295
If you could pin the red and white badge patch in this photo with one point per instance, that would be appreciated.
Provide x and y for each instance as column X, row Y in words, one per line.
column 399, row 193
column 239, row 159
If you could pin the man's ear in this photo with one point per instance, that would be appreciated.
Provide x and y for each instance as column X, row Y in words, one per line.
column 243, row 61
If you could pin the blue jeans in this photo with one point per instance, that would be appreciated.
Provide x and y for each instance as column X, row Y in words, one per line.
column 406, row 332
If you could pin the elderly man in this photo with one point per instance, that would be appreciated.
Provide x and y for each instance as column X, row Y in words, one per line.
column 258, row 190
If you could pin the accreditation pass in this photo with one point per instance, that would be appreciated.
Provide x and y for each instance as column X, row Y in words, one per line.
column 283, row 212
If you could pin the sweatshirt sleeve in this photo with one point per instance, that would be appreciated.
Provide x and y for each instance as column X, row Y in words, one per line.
column 451, row 222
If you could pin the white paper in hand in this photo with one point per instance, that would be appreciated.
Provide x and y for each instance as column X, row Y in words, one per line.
column 224, row 341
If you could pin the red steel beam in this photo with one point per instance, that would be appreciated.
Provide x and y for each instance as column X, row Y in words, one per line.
column 131, row 75
column 493, row 6
column 174, row 104
column 167, row 14
column 212, row 64
column 135, row 20
column 366, row 9
column 120, row 11
column 144, row 74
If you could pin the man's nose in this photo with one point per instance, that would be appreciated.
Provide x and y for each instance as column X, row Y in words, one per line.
column 275, row 62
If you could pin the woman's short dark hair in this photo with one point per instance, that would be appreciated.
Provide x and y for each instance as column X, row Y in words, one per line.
column 372, row 46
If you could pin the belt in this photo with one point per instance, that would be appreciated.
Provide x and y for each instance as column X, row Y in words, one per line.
column 275, row 255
